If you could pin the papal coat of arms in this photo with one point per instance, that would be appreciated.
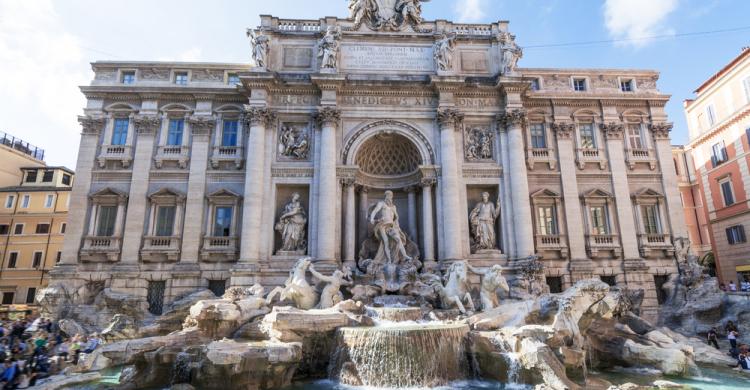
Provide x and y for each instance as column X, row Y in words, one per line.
column 386, row 14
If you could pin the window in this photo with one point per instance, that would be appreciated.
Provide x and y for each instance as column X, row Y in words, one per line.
column 711, row 114
column 42, row 228
column 30, row 295
column 535, row 84
column 719, row 153
column 736, row 235
column 58, row 257
column 609, row 279
column 726, row 191
column 635, row 137
column 128, row 77
column 63, row 226
column 650, row 215
column 626, row 85
column 9, row 201
column 31, row 176
column 120, row 131
column 37, row 262
column 25, row 201
column 181, row 78
column 4, row 230
column 13, row 260
column 233, row 79
column 165, row 220
column 47, row 177
column 229, row 133
column 547, row 221
column 174, row 135
column 106, row 221
column 8, row 298
column 555, row 284
column 588, row 138
column 218, row 287
column 18, row 229
column 223, row 221
column 579, row 85
column 49, row 200
column 66, row 179
column 538, row 139
column 599, row 224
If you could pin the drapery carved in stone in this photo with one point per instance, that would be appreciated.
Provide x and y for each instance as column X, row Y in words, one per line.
column 515, row 117
column 258, row 116
column 92, row 124
column 388, row 155
column 478, row 143
column 328, row 48
column 449, row 117
column 612, row 130
column 327, row 116
column 661, row 130
column 146, row 124
column 294, row 141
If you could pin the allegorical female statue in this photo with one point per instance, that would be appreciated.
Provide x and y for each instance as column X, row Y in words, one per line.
column 482, row 219
column 443, row 52
column 260, row 43
column 329, row 48
column 291, row 226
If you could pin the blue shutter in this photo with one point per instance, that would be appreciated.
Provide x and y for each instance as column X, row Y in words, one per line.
column 730, row 237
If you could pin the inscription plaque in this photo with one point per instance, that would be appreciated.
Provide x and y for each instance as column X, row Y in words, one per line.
column 298, row 57
column 474, row 61
column 387, row 58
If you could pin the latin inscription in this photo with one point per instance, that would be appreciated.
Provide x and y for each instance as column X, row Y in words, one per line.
column 295, row 100
column 387, row 58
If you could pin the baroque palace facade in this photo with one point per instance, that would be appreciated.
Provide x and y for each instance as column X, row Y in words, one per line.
column 195, row 175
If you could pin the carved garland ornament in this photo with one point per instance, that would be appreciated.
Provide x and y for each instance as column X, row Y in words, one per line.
column 612, row 130
column 92, row 124
column 661, row 130
column 146, row 124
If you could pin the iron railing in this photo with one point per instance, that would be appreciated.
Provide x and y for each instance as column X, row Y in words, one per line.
column 21, row 146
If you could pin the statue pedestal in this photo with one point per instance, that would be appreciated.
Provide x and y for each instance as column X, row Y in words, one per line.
column 487, row 258
column 329, row 71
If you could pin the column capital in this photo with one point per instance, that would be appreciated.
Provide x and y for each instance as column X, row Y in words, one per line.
column 258, row 115
column 564, row 130
column 327, row 116
column 201, row 125
column 660, row 131
column 348, row 181
column 146, row 124
column 448, row 117
column 363, row 189
column 92, row 124
column 510, row 118
column 612, row 130
column 428, row 181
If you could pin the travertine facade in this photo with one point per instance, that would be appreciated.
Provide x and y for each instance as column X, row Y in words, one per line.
column 339, row 111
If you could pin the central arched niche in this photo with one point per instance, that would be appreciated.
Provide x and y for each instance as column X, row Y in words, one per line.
column 388, row 155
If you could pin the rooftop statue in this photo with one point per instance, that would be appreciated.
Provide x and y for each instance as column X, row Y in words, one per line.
column 260, row 43
column 386, row 14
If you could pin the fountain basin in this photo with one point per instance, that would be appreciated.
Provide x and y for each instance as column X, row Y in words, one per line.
column 413, row 355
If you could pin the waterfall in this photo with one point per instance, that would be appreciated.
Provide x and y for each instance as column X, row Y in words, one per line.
column 181, row 369
column 400, row 356
column 512, row 358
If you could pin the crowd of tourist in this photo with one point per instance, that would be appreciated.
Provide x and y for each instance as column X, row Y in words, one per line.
column 743, row 287
column 737, row 350
column 32, row 349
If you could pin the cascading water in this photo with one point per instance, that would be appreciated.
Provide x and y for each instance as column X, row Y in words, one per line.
column 400, row 356
column 512, row 358
column 181, row 372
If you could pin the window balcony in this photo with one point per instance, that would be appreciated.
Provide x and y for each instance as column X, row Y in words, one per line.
column 541, row 155
column 642, row 156
column 596, row 243
column 178, row 154
column 223, row 155
column 100, row 249
column 158, row 249
column 555, row 242
column 591, row 156
column 118, row 153
column 652, row 244
column 219, row 249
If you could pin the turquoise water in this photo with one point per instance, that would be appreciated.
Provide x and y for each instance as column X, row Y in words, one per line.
column 462, row 385
column 710, row 379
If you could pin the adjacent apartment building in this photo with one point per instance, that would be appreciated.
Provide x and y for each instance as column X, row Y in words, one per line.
column 33, row 220
column 16, row 153
column 719, row 124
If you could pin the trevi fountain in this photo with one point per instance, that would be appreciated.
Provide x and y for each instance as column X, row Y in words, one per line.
column 463, row 302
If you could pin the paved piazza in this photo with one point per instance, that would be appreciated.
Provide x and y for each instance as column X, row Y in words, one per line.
column 378, row 139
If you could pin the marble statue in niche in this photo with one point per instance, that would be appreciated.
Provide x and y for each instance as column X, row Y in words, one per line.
column 260, row 43
column 511, row 53
column 293, row 142
column 384, row 218
column 482, row 219
column 291, row 226
column 443, row 50
column 329, row 47
column 479, row 144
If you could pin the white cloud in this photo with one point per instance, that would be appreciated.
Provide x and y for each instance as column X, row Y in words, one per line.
column 637, row 20
column 42, row 67
column 469, row 10
column 193, row 54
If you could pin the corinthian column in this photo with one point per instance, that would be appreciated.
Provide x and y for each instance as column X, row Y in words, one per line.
column 519, row 184
column 327, row 118
column 349, row 222
column 449, row 120
column 256, row 120
column 146, row 127
column 428, row 241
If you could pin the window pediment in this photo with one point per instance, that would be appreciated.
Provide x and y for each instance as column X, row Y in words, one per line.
column 646, row 194
column 597, row 193
column 108, row 195
column 223, row 195
column 166, row 195
column 545, row 193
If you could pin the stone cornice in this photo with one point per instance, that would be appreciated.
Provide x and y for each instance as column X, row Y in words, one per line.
column 327, row 116
column 146, row 124
column 328, row 82
column 92, row 124
column 258, row 115
column 612, row 130
column 449, row 117
column 661, row 130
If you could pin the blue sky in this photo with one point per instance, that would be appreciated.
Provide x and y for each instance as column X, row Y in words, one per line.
column 45, row 45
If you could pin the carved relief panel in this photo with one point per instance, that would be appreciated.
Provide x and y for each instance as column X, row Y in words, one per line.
column 294, row 141
column 479, row 143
